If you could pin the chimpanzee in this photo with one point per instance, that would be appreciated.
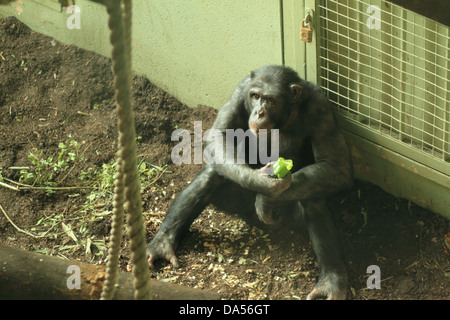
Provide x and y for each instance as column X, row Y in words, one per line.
column 274, row 97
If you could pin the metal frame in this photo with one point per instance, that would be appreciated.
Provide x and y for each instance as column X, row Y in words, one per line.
column 391, row 85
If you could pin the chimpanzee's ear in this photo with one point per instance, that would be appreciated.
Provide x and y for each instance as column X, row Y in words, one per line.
column 296, row 92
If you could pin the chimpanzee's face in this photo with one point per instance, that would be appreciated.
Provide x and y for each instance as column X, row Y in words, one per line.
column 266, row 106
column 270, row 104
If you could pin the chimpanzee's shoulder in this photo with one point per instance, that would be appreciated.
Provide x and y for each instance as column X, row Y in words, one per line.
column 315, row 99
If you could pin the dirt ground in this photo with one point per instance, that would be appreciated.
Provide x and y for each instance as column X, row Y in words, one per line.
column 49, row 91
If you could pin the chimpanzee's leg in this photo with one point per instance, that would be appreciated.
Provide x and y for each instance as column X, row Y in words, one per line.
column 326, row 243
column 186, row 207
column 232, row 198
column 277, row 214
column 208, row 187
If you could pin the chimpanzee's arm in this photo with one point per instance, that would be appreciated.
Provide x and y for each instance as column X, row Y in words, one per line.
column 332, row 170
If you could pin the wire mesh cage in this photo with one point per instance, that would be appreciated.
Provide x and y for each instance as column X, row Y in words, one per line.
column 388, row 71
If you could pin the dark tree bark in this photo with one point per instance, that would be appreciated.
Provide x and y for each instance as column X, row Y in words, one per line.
column 29, row 275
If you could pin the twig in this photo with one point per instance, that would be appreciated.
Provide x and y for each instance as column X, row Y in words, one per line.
column 17, row 228
column 17, row 183
column 157, row 178
column 22, row 186
column 412, row 265
column 19, row 168
column 54, row 188
column 155, row 214
column 388, row 278
column 9, row 187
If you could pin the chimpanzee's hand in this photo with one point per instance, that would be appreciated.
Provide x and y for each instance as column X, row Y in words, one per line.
column 275, row 186
column 161, row 247
column 267, row 169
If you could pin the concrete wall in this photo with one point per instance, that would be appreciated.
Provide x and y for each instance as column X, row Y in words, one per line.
column 198, row 50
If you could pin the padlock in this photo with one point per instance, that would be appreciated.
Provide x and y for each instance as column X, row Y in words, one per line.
column 306, row 32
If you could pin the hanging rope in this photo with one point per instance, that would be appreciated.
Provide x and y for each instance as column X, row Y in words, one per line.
column 127, row 186
column 115, row 237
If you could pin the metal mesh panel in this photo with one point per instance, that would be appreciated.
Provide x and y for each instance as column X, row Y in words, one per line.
column 393, row 79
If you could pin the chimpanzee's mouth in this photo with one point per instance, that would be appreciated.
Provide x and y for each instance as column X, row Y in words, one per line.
column 261, row 128
column 260, row 131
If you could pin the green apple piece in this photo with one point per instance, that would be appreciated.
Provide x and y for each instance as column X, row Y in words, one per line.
column 281, row 167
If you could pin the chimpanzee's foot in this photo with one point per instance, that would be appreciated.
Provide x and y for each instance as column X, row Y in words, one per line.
column 161, row 247
column 331, row 286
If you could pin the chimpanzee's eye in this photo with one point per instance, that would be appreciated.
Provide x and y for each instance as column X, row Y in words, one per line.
column 255, row 95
